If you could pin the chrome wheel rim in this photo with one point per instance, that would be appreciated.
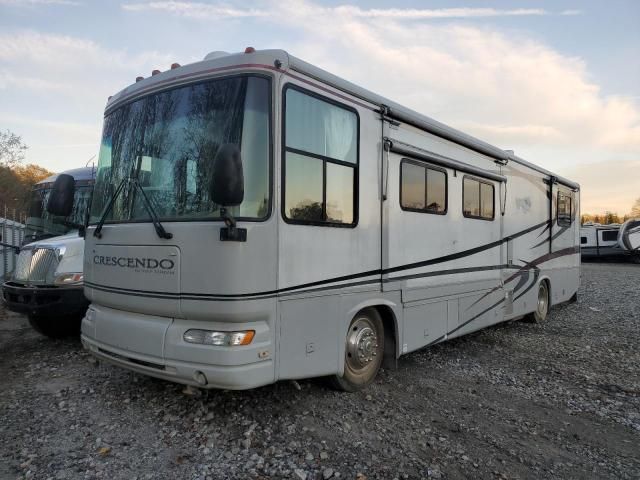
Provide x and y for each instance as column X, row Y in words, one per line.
column 362, row 344
column 543, row 300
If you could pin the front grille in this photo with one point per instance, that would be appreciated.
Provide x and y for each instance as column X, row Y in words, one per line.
column 36, row 266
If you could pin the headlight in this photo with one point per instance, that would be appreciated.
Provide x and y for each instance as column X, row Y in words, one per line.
column 63, row 279
column 208, row 337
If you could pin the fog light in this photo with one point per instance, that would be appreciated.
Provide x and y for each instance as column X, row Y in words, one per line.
column 208, row 337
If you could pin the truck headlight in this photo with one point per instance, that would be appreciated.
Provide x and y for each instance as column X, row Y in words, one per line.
column 64, row 279
column 209, row 337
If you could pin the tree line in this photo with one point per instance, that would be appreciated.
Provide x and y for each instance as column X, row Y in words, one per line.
column 16, row 179
column 610, row 217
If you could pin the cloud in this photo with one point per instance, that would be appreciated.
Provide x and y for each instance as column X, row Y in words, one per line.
column 196, row 10
column 199, row 10
column 65, row 82
column 606, row 186
column 506, row 88
column 35, row 3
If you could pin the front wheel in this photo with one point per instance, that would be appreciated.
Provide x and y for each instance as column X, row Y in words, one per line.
column 56, row 327
column 364, row 348
column 542, row 306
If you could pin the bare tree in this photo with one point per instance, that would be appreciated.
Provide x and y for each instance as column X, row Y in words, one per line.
column 635, row 210
column 11, row 149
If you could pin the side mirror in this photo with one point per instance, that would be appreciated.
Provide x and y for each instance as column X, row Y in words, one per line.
column 61, row 197
column 227, row 181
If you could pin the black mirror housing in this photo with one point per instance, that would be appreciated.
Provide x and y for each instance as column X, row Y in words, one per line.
column 61, row 197
column 227, row 181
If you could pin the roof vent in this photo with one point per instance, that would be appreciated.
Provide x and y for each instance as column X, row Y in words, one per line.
column 216, row 54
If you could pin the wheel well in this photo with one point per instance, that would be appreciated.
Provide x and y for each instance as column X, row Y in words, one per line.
column 548, row 282
column 390, row 336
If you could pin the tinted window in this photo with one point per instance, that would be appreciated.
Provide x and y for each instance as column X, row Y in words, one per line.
column 320, row 127
column 304, row 187
column 339, row 193
column 478, row 199
column 422, row 189
column 583, row 240
column 436, row 191
column 167, row 142
column 564, row 209
column 414, row 188
column 321, row 158
column 610, row 236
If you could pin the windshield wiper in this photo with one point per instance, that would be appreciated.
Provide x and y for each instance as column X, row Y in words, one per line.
column 162, row 233
column 103, row 218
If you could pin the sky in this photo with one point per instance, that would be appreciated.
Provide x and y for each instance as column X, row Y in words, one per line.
column 556, row 81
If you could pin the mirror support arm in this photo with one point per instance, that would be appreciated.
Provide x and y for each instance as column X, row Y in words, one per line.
column 231, row 233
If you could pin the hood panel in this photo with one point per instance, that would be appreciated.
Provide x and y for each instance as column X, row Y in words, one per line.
column 142, row 278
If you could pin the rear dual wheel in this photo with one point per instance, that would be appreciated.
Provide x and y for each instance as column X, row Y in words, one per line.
column 364, row 349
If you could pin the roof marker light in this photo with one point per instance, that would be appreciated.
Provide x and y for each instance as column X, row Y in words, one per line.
column 138, row 79
column 174, row 66
column 155, row 72
column 249, row 50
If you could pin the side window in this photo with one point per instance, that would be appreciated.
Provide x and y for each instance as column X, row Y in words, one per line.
column 422, row 189
column 564, row 209
column 610, row 236
column 583, row 240
column 478, row 199
column 320, row 164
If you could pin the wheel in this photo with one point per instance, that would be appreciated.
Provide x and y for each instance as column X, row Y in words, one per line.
column 542, row 307
column 364, row 348
column 56, row 327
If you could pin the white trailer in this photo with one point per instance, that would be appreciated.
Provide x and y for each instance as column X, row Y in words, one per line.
column 611, row 241
column 256, row 218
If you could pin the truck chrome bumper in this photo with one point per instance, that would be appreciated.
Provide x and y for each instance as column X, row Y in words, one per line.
column 50, row 301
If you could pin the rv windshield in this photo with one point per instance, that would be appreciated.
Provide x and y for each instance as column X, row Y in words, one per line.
column 168, row 141
column 41, row 224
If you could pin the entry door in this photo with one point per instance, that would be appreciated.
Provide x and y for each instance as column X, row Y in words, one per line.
column 563, row 231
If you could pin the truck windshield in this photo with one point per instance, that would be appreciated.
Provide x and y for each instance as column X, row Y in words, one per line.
column 168, row 141
column 41, row 224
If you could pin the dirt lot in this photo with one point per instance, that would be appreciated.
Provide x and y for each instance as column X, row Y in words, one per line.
column 559, row 400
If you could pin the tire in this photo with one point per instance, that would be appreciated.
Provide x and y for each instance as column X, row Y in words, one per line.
column 364, row 350
column 56, row 327
column 543, row 304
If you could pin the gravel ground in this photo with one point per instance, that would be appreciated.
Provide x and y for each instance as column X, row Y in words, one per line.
column 559, row 400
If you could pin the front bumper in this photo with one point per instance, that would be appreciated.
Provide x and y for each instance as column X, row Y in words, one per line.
column 50, row 301
column 153, row 345
column 229, row 377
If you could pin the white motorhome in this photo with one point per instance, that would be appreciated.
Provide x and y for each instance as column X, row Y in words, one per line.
column 256, row 218
column 47, row 283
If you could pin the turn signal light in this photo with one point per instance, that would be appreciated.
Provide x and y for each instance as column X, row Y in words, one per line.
column 249, row 50
column 226, row 339
column 155, row 72
column 139, row 79
column 174, row 66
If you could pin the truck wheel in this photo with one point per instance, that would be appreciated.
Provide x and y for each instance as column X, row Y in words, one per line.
column 56, row 327
column 542, row 306
column 364, row 348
